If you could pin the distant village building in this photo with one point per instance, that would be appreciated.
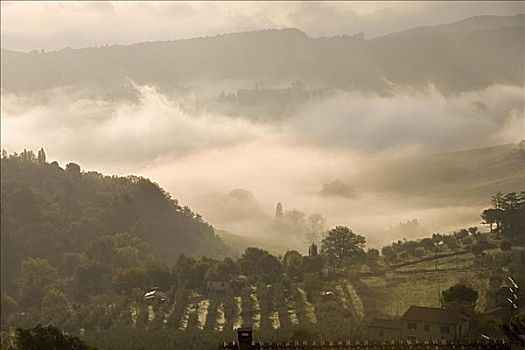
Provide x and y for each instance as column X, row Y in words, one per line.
column 422, row 323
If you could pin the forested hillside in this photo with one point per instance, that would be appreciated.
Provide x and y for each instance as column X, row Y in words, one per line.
column 477, row 53
column 49, row 212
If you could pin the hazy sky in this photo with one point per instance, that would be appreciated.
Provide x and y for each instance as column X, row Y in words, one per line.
column 30, row 25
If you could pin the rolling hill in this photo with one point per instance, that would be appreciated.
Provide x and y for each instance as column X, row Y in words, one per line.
column 469, row 54
column 48, row 211
column 464, row 177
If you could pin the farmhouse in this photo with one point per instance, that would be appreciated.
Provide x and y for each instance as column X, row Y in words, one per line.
column 384, row 329
column 421, row 323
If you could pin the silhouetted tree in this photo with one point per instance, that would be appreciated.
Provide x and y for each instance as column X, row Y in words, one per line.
column 73, row 168
column 278, row 211
column 492, row 216
column 497, row 200
column 459, row 296
column 312, row 250
column 41, row 156
column 477, row 249
column 342, row 242
column 47, row 338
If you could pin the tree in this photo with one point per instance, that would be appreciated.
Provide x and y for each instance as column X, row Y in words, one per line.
column 510, row 201
column 271, row 269
column 478, row 248
column 315, row 227
column 125, row 280
column 459, row 297
column 278, row 211
column 427, row 243
column 292, row 258
column 508, row 214
column 342, row 242
column 462, row 233
column 473, row 230
column 312, row 250
column 41, row 157
column 497, row 200
column 389, row 253
column 37, row 277
column 73, row 168
column 492, row 216
column 47, row 338
column 293, row 261
column 55, row 308
column 226, row 269
column 259, row 263
column 505, row 245
column 372, row 256
column 419, row 252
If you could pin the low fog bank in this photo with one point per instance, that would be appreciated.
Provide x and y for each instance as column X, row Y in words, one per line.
column 235, row 169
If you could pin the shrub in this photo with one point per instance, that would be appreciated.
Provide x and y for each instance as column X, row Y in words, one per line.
column 505, row 245
column 477, row 249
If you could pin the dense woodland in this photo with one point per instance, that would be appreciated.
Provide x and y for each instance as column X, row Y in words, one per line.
column 80, row 249
column 54, row 213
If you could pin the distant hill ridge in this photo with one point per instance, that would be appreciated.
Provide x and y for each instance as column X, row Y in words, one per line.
column 478, row 52
column 485, row 22
column 469, row 176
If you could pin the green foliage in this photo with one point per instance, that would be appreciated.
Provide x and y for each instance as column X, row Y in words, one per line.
column 37, row 277
column 388, row 252
column 54, row 308
column 508, row 213
column 259, row 264
column 478, row 248
column 505, row 245
column 49, row 212
column 459, row 296
column 47, row 338
column 342, row 242
column 293, row 262
column 97, row 240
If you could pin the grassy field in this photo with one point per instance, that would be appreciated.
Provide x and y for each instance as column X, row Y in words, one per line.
column 460, row 262
column 420, row 284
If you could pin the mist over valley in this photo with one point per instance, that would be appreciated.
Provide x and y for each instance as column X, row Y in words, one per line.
column 173, row 172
